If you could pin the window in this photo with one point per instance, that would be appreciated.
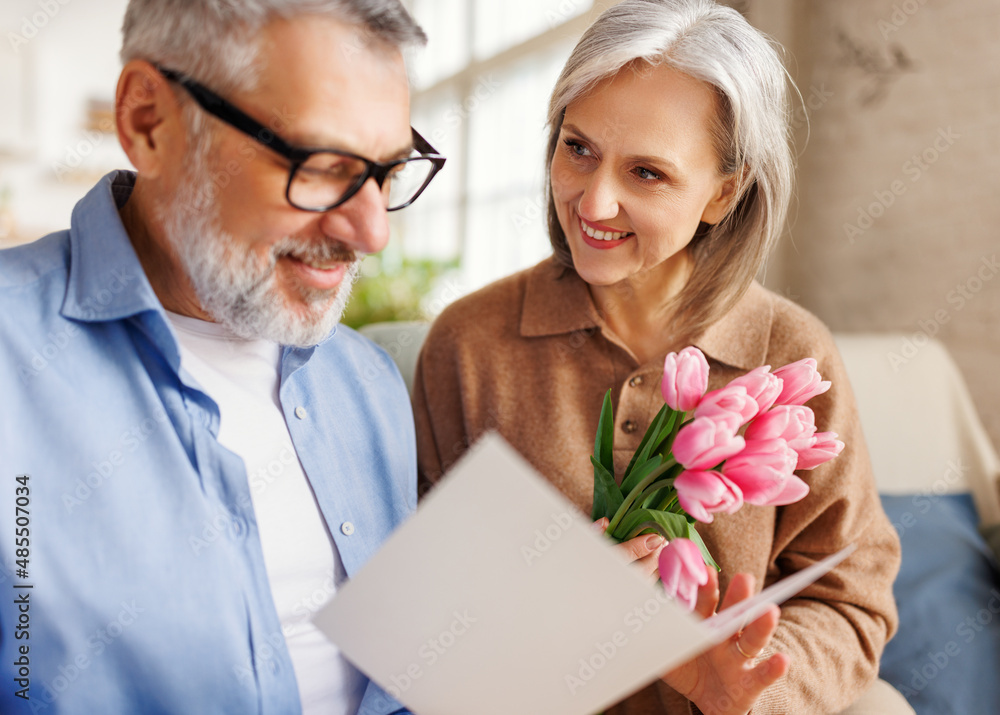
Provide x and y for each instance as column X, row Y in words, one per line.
column 481, row 94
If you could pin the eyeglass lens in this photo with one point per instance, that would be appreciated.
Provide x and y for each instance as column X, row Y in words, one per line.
column 325, row 178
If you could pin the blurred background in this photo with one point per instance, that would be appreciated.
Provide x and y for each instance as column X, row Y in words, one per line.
column 894, row 228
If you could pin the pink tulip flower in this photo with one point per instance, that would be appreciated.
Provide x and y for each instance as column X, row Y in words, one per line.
column 762, row 385
column 682, row 571
column 796, row 424
column 731, row 398
column 794, row 490
column 703, row 493
column 685, row 379
column 800, row 382
column 761, row 470
column 825, row 447
column 707, row 441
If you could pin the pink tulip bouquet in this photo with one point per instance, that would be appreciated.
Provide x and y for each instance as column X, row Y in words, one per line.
column 709, row 453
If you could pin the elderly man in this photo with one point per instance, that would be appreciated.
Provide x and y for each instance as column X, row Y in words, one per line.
column 192, row 459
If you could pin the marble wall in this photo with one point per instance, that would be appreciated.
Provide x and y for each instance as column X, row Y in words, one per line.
column 896, row 222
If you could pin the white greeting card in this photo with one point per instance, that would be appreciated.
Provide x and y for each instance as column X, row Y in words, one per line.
column 498, row 597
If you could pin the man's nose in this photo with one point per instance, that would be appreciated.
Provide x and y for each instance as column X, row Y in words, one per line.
column 367, row 229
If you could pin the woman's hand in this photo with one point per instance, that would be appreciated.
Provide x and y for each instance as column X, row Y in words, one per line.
column 643, row 550
column 725, row 680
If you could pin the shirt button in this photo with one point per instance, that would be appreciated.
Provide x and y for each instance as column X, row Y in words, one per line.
column 628, row 426
column 635, row 381
column 300, row 412
column 272, row 665
column 347, row 528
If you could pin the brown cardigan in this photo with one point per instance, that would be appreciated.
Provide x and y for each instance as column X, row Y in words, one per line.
column 530, row 357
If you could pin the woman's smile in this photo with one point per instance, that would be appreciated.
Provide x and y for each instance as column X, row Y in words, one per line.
column 631, row 190
column 602, row 237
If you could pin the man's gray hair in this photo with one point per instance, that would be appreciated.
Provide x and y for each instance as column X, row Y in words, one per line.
column 216, row 41
column 716, row 45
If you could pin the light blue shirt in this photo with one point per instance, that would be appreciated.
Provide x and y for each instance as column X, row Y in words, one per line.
column 148, row 592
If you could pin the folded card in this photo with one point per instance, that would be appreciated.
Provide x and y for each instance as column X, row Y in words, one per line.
column 497, row 596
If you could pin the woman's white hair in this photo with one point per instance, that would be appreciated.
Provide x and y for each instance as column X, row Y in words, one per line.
column 216, row 41
column 716, row 45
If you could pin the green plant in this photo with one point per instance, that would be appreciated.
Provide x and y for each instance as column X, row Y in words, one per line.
column 390, row 291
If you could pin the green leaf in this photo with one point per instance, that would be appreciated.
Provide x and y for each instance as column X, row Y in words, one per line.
column 607, row 495
column 646, row 476
column 604, row 439
column 665, row 523
column 664, row 492
column 668, row 433
column 635, row 478
column 693, row 534
column 649, row 440
column 658, row 496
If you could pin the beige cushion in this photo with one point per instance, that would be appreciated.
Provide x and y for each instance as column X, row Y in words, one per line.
column 402, row 340
column 921, row 426
column 882, row 699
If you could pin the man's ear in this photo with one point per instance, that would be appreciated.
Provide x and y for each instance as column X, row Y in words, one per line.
column 148, row 118
column 722, row 202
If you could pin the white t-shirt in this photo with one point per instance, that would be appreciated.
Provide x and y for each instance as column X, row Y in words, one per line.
column 303, row 565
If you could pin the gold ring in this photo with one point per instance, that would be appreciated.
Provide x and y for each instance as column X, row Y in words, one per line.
column 742, row 652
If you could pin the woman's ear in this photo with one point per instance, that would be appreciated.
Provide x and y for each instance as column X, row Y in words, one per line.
column 722, row 202
column 148, row 119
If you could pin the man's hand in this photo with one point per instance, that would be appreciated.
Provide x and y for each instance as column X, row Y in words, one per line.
column 726, row 680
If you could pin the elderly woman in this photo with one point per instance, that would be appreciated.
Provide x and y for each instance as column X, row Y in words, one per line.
column 669, row 175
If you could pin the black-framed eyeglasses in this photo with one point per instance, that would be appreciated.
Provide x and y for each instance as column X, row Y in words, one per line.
column 322, row 179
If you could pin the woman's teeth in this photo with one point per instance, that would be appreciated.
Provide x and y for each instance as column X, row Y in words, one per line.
column 603, row 235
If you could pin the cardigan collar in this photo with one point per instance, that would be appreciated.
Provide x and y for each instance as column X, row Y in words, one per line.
column 557, row 301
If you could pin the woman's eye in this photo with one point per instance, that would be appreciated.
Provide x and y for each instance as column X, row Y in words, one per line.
column 647, row 175
column 577, row 148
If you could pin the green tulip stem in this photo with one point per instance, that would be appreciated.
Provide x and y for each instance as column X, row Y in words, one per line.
column 669, row 503
column 645, row 526
column 637, row 491
column 677, row 421
column 655, row 487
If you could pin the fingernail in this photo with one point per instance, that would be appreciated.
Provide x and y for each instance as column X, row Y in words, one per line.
column 599, row 526
column 653, row 541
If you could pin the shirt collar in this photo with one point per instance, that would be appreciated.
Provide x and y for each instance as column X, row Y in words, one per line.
column 740, row 338
column 556, row 301
column 106, row 280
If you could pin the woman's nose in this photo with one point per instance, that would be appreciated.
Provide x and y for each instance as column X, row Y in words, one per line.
column 599, row 201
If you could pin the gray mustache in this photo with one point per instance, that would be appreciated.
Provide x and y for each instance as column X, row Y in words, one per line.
column 314, row 252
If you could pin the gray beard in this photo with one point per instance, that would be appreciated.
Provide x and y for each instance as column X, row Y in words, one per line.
column 229, row 281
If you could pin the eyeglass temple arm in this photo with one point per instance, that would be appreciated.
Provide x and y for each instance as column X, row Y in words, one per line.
column 216, row 105
column 422, row 145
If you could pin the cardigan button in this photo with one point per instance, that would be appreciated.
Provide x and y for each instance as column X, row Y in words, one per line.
column 635, row 381
column 628, row 426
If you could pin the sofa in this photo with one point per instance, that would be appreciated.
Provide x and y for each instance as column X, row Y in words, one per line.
column 938, row 476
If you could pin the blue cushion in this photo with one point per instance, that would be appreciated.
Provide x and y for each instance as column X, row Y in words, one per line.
column 946, row 656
